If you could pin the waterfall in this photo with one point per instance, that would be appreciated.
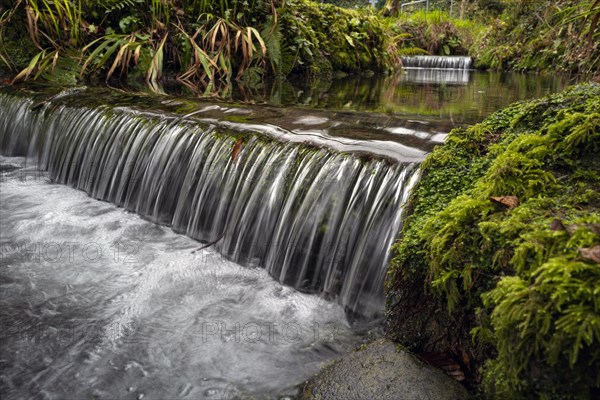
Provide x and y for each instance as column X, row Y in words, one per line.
column 437, row 62
column 437, row 76
column 317, row 219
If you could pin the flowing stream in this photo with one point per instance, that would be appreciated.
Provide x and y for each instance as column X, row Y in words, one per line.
column 107, row 199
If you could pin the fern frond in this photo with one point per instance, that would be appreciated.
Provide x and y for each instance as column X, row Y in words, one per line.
column 273, row 37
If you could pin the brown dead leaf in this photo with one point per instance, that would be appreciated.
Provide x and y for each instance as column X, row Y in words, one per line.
column 465, row 357
column 507, row 201
column 237, row 148
column 444, row 362
column 591, row 253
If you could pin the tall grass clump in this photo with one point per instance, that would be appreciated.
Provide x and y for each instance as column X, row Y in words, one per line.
column 437, row 32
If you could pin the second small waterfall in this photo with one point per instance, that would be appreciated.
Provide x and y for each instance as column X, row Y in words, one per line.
column 438, row 62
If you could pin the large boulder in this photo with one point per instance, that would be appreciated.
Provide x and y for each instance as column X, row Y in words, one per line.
column 380, row 370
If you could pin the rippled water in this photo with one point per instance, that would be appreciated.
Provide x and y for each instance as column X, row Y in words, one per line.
column 96, row 302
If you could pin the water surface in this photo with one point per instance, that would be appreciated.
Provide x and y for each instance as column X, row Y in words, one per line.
column 457, row 96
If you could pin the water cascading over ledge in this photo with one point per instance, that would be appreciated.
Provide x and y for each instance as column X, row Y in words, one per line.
column 437, row 62
column 316, row 219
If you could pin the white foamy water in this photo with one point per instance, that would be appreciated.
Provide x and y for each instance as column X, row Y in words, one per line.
column 96, row 302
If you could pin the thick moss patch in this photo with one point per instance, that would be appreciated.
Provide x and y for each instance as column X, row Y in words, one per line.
column 501, row 244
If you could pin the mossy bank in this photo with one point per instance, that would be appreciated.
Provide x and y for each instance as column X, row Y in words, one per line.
column 498, row 261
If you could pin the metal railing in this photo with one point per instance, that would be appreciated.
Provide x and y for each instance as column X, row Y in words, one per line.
column 412, row 3
column 447, row 5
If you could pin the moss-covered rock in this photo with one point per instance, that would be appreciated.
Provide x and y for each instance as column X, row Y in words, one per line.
column 502, row 243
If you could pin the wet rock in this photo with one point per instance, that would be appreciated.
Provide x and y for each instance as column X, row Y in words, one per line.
column 380, row 371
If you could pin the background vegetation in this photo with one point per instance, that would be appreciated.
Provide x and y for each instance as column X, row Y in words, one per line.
column 552, row 36
column 436, row 32
column 206, row 42
column 200, row 42
column 545, row 35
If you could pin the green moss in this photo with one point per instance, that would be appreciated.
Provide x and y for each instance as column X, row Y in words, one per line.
column 517, row 273
column 21, row 51
column 238, row 118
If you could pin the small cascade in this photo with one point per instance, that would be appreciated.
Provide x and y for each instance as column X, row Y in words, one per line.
column 319, row 220
column 438, row 62
column 437, row 76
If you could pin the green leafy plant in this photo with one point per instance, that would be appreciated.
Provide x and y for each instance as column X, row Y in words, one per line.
column 55, row 29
